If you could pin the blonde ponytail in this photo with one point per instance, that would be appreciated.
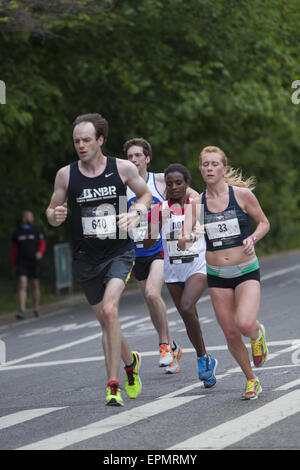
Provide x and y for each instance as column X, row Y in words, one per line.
column 234, row 177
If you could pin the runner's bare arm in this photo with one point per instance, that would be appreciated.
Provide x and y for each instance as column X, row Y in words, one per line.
column 160, row 184
column 154, row 226
column 130, row 176
column 191, row 193
column 191, row 215
column 251, row 206
column 56, row 212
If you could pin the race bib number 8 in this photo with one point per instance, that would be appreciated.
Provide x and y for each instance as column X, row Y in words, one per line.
column 174, row 251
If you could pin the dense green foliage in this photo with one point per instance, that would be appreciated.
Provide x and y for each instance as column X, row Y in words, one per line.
column 181, row 74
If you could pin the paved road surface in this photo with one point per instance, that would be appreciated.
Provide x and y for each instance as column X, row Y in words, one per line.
column 53, row 381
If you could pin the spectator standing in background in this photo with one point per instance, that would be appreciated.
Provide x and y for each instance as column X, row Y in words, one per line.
column 28, row 248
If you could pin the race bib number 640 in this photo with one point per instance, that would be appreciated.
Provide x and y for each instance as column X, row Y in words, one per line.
column 99, row 227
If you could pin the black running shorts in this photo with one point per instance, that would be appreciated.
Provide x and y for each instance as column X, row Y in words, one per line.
column 94, row 277
column 142, row 265
column 232, row 283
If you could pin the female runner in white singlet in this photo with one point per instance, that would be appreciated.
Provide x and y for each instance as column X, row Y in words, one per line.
column 184, row 271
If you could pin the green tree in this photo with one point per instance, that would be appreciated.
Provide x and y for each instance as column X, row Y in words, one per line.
column 181, row 74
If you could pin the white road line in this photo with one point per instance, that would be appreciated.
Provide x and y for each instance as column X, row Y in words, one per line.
column 294, row 347
column 2, row 352
column 24, row 415
column 66, row 439
column 101, row 358
column 79, row 341
column 33, row 365
column 233, row 431
column 280, row 272
column 66, row 327
column 295, row 343
column 72, row 343
column 217, row 438
column 283, row 366
column 289, row 385
column 57, row 348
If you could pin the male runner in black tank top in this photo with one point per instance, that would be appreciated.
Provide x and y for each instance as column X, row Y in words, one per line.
column 103, row 254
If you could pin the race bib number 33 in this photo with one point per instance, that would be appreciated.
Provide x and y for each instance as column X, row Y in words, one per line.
column 223, row 229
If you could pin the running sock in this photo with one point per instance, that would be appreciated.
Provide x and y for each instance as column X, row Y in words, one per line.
column 175, row 345
column 259, row 336
column 133, row 362
column 113, row 382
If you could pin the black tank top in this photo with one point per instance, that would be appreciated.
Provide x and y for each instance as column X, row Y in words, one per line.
column 225, row 229
column 94, row 204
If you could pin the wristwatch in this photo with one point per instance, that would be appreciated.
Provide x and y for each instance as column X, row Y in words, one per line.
column 192, row 237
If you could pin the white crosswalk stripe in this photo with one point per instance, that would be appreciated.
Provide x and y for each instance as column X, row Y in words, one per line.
column 106, row 425
column 282, row 403
column 24, row 415
column 217, row 438
column 237, row 429
column 294, row 345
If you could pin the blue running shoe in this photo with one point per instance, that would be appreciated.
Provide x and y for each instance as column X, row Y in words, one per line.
column 210, row 382
column 206, row 368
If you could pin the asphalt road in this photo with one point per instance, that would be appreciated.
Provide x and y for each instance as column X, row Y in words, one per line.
column 53, row 381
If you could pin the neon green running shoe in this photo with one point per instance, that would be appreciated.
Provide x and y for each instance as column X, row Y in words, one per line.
column 133, row 384
column 113, row 397
column 253, row 389
column 259, row 348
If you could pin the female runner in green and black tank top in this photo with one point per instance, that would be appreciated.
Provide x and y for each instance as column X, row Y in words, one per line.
column 232, row 266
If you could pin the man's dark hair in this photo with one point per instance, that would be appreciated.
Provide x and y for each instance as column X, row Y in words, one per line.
column 100, row 124
column 177, row 167
column 140, row 142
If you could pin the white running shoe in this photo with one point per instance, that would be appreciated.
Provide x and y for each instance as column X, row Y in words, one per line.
column 166, row 356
